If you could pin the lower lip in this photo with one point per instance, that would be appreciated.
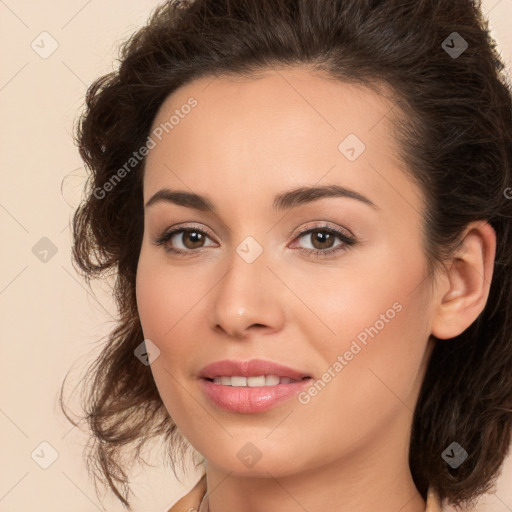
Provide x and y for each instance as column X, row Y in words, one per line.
column 248, row 400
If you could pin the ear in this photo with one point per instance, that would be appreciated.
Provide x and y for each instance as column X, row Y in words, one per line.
column 466, row 282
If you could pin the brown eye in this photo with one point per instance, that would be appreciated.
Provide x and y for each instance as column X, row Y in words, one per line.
column 183, row 240
column 191, row 238
column 322, row 239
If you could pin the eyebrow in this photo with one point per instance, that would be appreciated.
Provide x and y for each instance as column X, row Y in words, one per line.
column 283, row 201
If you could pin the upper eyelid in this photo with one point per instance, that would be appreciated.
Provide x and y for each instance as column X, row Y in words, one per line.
column 324, row 225
column 180, row 228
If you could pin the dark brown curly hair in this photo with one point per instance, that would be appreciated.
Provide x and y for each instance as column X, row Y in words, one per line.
column 454, row 127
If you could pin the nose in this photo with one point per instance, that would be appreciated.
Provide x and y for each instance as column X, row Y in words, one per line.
column 248, row 299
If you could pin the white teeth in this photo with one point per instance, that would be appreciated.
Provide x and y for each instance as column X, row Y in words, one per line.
column 260, row 380
column 253, row 382
column 238, row 381
column 271, row 380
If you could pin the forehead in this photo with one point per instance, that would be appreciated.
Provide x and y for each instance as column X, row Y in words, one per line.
column 277, row 128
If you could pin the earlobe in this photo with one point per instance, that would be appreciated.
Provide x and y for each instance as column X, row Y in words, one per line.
column 466, row 282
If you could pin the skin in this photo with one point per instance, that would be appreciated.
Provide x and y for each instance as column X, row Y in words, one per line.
column 247, row 140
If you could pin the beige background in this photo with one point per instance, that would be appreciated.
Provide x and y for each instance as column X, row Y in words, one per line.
column 50, row 321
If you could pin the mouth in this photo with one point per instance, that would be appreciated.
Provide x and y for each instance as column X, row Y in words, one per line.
column 248, row 387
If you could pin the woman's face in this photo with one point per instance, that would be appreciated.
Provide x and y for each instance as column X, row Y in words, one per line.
column 251, row 281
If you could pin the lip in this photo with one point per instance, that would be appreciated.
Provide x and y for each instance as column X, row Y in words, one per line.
column 251, row 368
column 250, row 400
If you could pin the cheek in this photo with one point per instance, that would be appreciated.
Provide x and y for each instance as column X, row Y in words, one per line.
column 165, row 295
column 363, row 301
column 376, row 321
column 170, row 302
column 162, row 312
column 379, row 375
column 163, row 300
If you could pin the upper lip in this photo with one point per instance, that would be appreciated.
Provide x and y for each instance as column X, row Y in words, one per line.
column 252, row 368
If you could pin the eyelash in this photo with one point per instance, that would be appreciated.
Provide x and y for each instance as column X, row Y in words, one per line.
column 347, row 241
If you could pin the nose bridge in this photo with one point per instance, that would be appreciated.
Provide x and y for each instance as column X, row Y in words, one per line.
column 247, row 293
